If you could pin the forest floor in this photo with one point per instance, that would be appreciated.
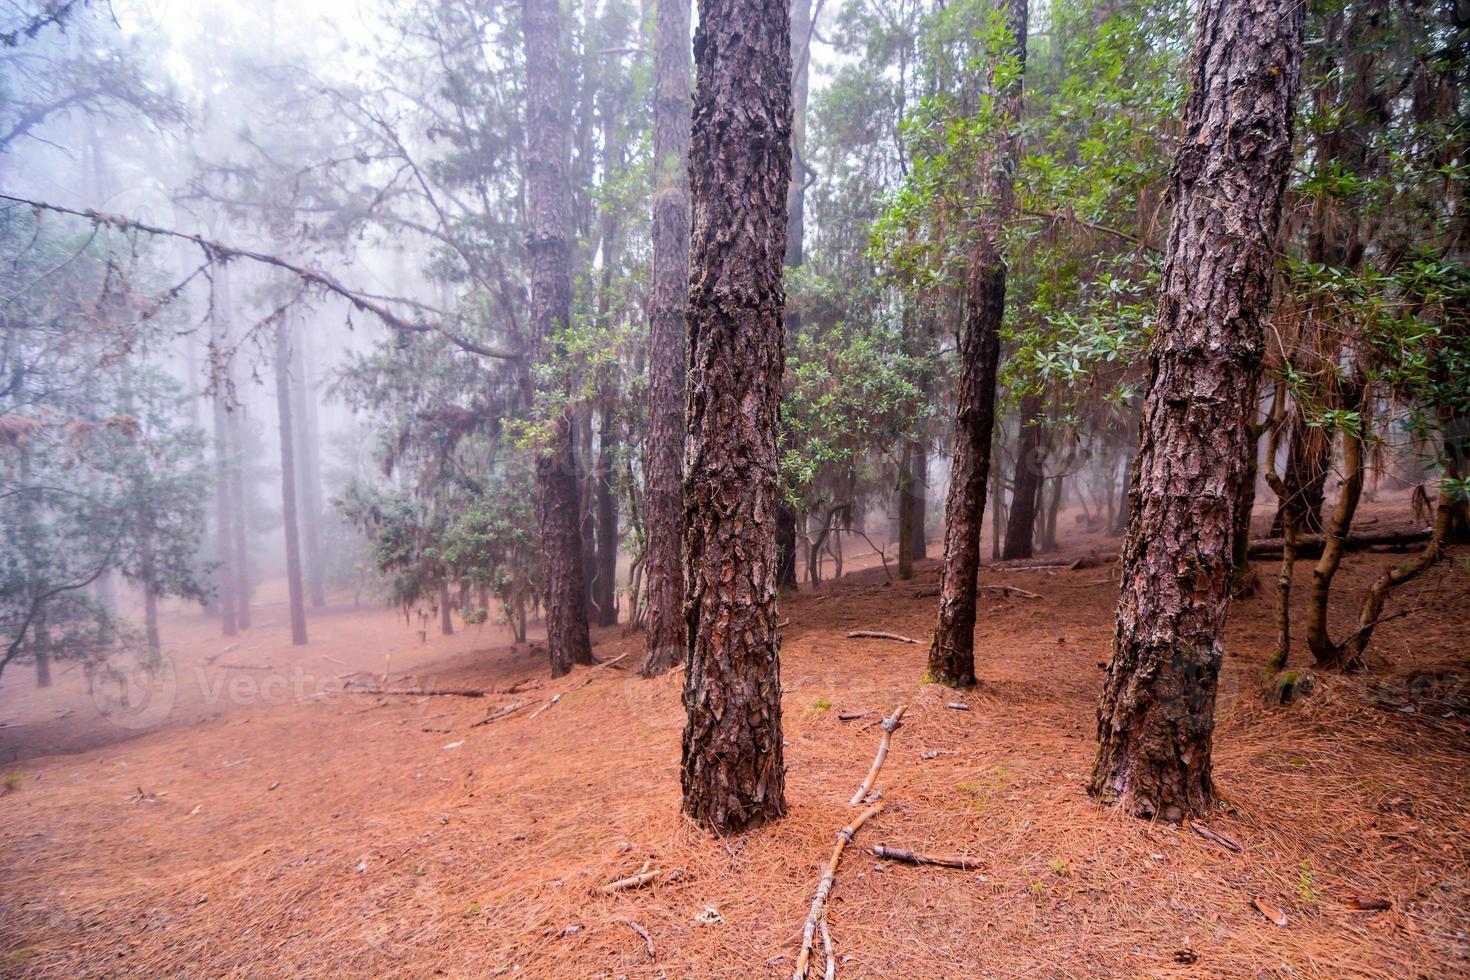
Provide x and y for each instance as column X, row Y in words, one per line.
column 348, row 834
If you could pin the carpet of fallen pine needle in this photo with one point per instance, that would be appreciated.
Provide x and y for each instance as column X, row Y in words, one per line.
column 350, row 835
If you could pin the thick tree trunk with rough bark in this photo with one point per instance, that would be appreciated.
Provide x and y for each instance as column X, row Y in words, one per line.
column 733, row 774
column 1157, row 712
column 668, row 296
column 785, row 546
column 1026, row 486
column 952, row 652
column 294, row 588
column 547, row 207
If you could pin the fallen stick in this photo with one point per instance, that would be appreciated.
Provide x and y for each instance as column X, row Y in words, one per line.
column 647, row 939
column 402, row 692
column 827, row 949
column 824, row 888
column 850, row 715
column 509, row 709
column 1009, row 590
column 632, row 881
column 879, row 635
column 890, row 725
column 591, row 676
column 554, row 698
column 957, row 706
column 1213, row 835
column 913, row 857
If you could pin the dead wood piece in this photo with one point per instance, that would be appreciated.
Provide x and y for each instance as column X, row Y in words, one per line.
column 890, row 725
column 880, row 635
column 509, row 709
column 647, row 939
column 957, row 706
column 1310, row 546
column 827, row 949
column 401, row 692
column 824, row 888
column 851, row 715
column 1009, row 590
column 631, row 882
column 1219, row 837
column 938, row 860
column 1370, row 904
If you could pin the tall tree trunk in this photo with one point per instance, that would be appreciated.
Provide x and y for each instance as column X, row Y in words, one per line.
column 288, row 483
column 1157, row 712
column 239, row 553
column 1026, row 486
column 224, row 512
column 905, row 515
column 732, row 772
column 1325, row 652
column 446, row 610
column 309, row 486
column 1053, row 507
column 604, row 596
column 918, row 452
column 668, row 295
column 952, row 652
column 548, row 201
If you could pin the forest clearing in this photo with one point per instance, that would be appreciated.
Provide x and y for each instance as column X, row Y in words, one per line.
column 380, row 852
column 735, row 488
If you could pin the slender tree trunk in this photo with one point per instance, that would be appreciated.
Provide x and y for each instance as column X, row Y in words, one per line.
column 288, row 483
column 154, row 644
column 548, row 201
column 41, row 647
column 1242, row 578
column 952, row 652
column 235, row 423
column 905, row 515
column 1027, row 485
column 446, row 617
column 224, row 512
column 1282, row 654
column 733, row 773
column 309, row 506
column 668, row 296
column 605, row 594
column 1325, row 652
column 1157, row 712
column 919, row 490
column 1049, row 525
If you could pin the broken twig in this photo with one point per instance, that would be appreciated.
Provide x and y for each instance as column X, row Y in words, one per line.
column 1219, row 837
column 913, row 857
column 890, row 725
column 824, row 888
column 880, row 635
column 631, row 882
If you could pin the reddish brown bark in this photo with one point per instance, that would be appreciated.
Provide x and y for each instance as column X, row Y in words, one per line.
column 732, row 772
column 547, row 207
column 668, row 295
column 952, row 652
column 1157, row 713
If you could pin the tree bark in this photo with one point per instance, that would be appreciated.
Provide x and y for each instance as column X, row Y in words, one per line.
column 548, row 201
column 733, row 774
column 905, row 515
column 288, row 483
column 446, row 610
column 224, row 513
column 668, row 295
column 1026, row 486
column 952, row 652
column 605, row 587
column 785, row 546
column 309, row 486
column 919, row 490
column 1157, row 711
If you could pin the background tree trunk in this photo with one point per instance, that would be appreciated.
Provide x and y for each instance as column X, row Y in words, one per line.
column 309, row 484
column 952, row 652
column 605, row 590
column 1157, row 712
column 669, row 293
column 1026, row 487
column 733, row 773
column 446, row 610
column 547, row 207
column 224, row 512
column 288, row 483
